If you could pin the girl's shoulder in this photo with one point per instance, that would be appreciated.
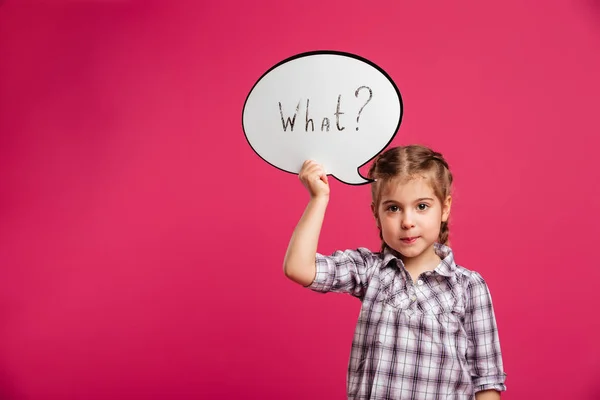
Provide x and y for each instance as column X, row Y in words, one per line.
column 471, row 281
column 469, row 275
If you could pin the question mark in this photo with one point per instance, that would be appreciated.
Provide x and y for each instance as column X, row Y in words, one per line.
column 364, row 105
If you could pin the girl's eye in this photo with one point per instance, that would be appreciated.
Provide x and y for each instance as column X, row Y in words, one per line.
column 393, row 208
column 423, row 206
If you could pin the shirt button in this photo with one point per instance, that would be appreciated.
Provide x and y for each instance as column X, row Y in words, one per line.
column 420, row 282
column 413, row 298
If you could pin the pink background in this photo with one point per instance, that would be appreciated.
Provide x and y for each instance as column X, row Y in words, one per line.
column 141, row 238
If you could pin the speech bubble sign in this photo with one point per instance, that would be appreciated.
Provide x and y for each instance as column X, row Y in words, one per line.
column 336, row 108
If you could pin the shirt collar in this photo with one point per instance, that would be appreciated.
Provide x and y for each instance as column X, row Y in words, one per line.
column 447, row 267
column 389, row 255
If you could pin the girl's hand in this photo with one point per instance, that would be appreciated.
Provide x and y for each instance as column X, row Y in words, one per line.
column 313, row 177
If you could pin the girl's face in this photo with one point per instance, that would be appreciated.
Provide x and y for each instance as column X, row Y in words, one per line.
column 410, row 215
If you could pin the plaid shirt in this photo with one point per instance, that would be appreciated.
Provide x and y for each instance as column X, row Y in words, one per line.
column 431, row 339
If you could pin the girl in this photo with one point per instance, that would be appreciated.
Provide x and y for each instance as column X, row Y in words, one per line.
column 426, row 329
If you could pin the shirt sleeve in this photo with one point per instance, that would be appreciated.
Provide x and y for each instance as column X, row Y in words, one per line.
column 483, row 354
column 344, row 272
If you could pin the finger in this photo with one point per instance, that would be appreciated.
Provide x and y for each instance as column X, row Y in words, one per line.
column 305, row 165
column 323, row 178
column 308, row 163
column 314, row 170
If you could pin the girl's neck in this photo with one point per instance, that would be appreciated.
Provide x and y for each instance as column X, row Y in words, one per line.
column 426, row 261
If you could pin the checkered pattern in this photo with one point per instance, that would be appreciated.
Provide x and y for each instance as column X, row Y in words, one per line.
column 431, row 339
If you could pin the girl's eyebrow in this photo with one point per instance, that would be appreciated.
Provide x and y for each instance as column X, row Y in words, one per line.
column 416, row 201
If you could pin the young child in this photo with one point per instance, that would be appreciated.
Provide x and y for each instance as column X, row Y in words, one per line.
column 426, row 328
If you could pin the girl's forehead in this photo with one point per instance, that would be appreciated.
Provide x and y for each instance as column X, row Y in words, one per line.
column 418, row 186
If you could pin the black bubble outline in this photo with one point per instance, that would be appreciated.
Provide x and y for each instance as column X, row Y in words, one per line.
column 337, row 53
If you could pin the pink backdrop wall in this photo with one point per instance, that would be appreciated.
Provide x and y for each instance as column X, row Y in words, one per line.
column 141, row 239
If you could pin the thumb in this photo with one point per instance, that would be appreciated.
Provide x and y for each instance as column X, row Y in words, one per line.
column 324, row 176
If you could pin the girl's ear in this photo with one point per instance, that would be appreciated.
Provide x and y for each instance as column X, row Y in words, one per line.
column 374, row 211
column 446, row 206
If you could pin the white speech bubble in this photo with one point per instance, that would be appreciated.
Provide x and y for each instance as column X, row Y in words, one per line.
column 336, row 108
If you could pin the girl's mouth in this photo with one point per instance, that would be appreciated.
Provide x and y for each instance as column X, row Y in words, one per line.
column 409, row 240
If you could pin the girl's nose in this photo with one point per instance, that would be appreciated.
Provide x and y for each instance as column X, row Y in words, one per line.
column 407, row 222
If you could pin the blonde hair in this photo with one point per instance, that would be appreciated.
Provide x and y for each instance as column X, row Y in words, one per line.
column 406, row 162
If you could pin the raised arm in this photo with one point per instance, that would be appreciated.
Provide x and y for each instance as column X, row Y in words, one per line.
column 299, row 262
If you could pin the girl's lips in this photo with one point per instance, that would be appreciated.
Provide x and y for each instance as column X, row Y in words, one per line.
column 409, row 240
